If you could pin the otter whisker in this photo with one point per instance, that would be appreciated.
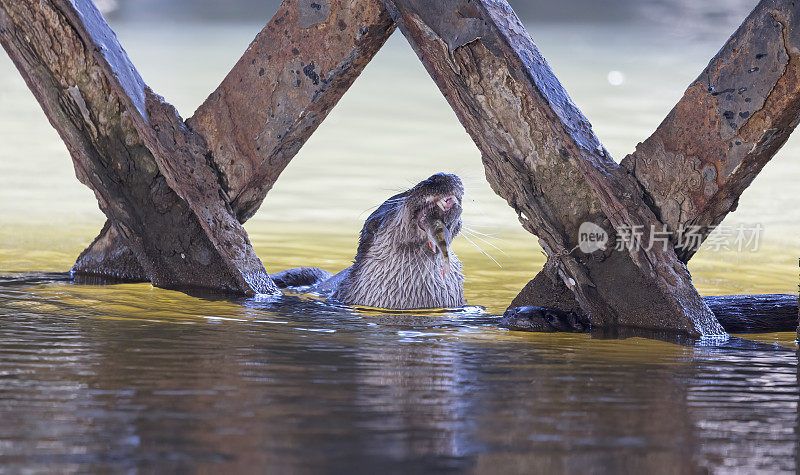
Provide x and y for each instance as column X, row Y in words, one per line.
column 482, row 236
column 490, row 236
column 474, row 225
column 483, row 240
column 470, row 183
column 474, row 200
column 482, row 251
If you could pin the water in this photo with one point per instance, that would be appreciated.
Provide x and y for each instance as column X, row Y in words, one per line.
column 110, row 378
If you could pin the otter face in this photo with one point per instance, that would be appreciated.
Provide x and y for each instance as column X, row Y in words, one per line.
column 432, row 210
column 403, row 259
column 427, row 216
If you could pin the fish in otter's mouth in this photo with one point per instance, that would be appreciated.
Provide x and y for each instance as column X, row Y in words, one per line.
column 439, row 219
column 404, row 260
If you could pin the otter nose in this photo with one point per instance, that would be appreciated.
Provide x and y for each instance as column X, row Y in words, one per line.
column 447, row 202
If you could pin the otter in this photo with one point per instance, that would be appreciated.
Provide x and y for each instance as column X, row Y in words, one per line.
column 403, row 260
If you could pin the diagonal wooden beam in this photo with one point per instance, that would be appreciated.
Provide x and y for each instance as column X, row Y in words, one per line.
column 149, row 172
column 291, row 76
column 727, row 126
column 729, row 123
column 541, row 155
column 289, row 79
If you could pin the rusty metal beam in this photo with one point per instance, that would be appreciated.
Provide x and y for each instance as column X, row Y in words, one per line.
column 541, row 155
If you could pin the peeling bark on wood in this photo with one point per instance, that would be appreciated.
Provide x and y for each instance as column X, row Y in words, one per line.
column 150, row 174
column 291, row 76
column 730, row 122
column 541, row 155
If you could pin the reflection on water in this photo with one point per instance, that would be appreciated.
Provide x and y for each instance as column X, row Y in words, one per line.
column 128, row 376
column 109, row 378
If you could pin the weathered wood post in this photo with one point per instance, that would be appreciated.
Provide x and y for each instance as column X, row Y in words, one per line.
column 282, row 88
column 174, row 194
column 149, row 172
column 541, row 155
column 730, row 122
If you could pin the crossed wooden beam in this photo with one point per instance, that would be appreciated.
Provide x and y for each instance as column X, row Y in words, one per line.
column 175, row 193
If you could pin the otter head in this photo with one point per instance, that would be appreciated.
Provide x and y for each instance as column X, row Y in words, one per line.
column 403, row 259
column 427, row 217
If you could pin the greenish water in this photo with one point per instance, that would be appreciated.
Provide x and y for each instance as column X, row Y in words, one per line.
column 96, row 378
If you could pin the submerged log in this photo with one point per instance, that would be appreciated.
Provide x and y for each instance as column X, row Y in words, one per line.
column 541, row 155
column 278, row 93
column 736, row 314
column 730, row 122
column 755, row 313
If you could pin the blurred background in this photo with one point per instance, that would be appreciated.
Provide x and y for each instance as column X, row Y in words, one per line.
column 699, row 13
column 624, row 62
